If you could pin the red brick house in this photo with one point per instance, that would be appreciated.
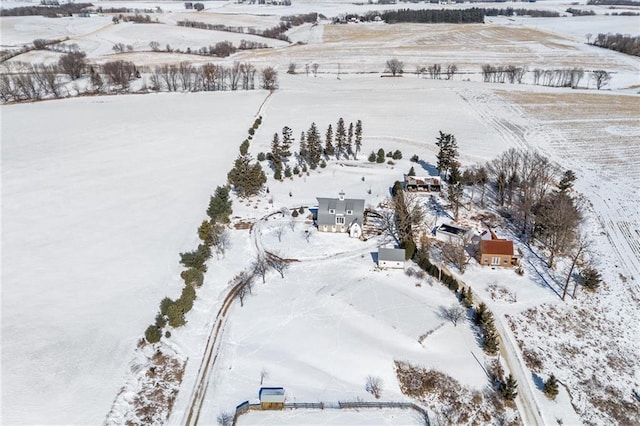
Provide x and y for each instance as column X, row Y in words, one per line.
column 498, row 252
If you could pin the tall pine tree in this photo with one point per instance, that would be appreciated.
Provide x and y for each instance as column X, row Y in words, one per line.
column 314, row 145
column 341, row 138
column 349, row 145
column 358, row 139
column 287, row 141
column 447, row 153
column 303, row 153
column 328, row 146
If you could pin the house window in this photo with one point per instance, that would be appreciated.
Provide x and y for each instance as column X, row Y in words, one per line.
column 332, row 211
column 339, row 220
column 495, row 260
column 349, row 211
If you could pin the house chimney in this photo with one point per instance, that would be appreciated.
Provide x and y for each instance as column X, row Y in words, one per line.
column 341, row 196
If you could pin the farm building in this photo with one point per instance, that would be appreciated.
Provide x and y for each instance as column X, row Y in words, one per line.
column 391, row 258
column 271, row 398
column 419, row 183
column 450, row 233
column 340, row 215
column 498, row 252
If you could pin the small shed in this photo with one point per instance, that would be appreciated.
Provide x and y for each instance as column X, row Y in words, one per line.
column 271, row 398
column 391, row 258
column 450, row 233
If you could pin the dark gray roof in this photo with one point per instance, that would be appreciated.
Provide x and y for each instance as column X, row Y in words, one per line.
column 390, row 254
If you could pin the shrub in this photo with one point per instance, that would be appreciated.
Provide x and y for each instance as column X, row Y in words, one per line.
column 252, row 131
column 186, row 298
column 414, row 158
column 397, row 155
column 551, row 387
column 323, row 164
column 244, row 147
column 277, row 175
column 167, row 334
column 296, row 170
column 301, row 210
column 380, row 156
column 294, row 213
column 372, row 157
column 153, row 334
column 164, row 305
column 287, row 172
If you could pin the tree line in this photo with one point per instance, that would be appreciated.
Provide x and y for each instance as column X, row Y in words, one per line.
column 559, row 77
column 39, row 81
column 277, row 32
column 618, row 42
column 49, row 10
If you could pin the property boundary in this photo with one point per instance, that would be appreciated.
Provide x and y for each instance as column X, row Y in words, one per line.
column 245, row 407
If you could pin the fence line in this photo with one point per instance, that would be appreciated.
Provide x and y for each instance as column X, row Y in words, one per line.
column 244, row 407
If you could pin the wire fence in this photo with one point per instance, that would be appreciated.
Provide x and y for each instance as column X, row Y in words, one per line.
column 245, row 407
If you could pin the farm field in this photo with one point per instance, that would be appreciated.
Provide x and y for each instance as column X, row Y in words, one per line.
column 100, row 195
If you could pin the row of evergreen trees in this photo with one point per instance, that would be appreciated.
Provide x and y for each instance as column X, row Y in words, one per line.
column 344, row 142
column 213, row 234
column 246, row 178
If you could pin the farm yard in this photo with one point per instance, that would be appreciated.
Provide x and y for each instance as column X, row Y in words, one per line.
column 100, row 194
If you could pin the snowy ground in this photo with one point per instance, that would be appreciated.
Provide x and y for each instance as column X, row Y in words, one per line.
column 99, row 195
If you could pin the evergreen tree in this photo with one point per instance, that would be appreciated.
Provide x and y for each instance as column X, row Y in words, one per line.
column 328, row 147
column 380, row 157
column 247, row 179
column 314, row 145
column 349, row 143
column 372, row 157
column 455, row 190
column 220, row 205
column 205, row 232
column 186, row 298
column 566, row 183
column 304, row 151
column 161, row 321
column 467, row 298
column 287, row 141
column 358, row 139
column 509, row 388
column 448, row 152
column 479, row 313
column 287, row 171
column 175, row 315
column 244, row 147
column 397, row 155
column 197, row 258
column 590, row 278
column 164, row 306
column 192, row 277
column 551, row 387
column 341, row 138
column 412, row 172
column 490, row 343
column 153, row 334
column 276, row 152
column 277, row 175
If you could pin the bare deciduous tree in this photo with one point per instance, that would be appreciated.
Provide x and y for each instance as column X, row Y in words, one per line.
column 279, row 231
column 457, row 255
column 453, row 313
column 260, row 266
column 264, row 375
column 269, row 78
column 601, row 78
column 395, row 66
column 374, row 386
column 278, row 263
column 73, row 64
column 225, row 419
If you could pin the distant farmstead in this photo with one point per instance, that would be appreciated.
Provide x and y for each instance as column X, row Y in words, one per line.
column 271, row 398
column 422, row 183
column 341, row 215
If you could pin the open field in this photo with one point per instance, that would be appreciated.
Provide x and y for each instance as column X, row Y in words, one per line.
column 100, row 194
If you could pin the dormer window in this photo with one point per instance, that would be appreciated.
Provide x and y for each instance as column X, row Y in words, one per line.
column 349, row 211
column 332, row 211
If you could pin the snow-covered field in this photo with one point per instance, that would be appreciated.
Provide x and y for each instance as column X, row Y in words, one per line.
column 99, row 195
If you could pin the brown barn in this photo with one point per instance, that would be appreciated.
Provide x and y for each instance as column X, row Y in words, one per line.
column 498, row 252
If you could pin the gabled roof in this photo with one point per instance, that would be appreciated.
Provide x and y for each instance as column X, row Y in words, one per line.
column 497, row 247
column 391, row 254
